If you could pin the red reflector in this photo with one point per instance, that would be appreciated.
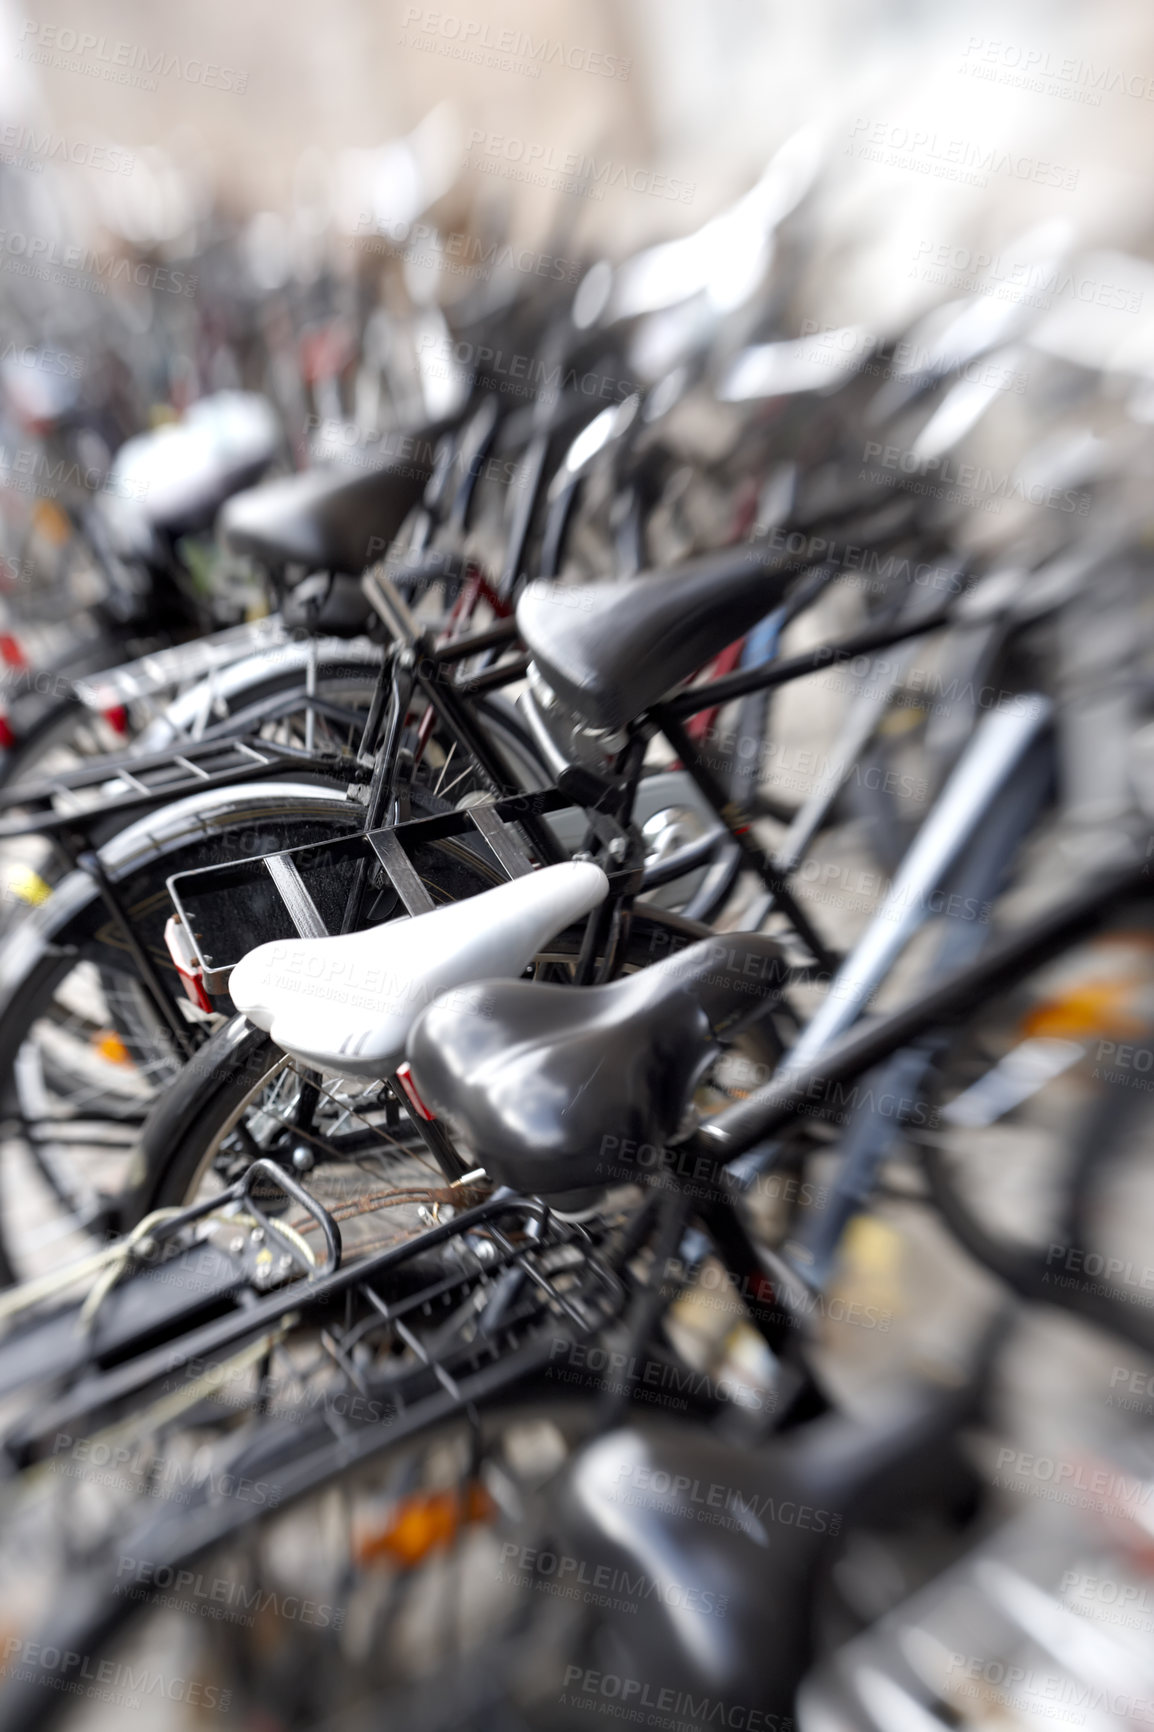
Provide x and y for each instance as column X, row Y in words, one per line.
column 117, row 718
column 186, row 962
column 10, row 652
column 405, row 1078
column 7, row 737
column 194, row 990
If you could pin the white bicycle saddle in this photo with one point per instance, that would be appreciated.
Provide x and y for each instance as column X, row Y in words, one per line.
column 345, row 1005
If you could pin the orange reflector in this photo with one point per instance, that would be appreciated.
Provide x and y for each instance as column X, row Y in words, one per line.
column 1096, row 1007
column 424, row 1523
column 111, row 1047
column 51, row 521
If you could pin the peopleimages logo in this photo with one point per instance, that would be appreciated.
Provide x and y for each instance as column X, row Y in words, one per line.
column 600, row 1584
column 44, row 360
column 69, row 50
column 118, row 1683
column 971, row 481
column 457, row 252
column 572, row 170
column 713, row 1502
column 1040, row 1695
column 1039, row 70
column 966, row 160
column 1030, row 284
column 45, row 258
column 832, row 344
column 219, row 1596
column 24, row 146
column 508, row 49
column 1106, row 1601
column 122, row 1465
column 518, row 375
column 24, row 469
column 648, row 1703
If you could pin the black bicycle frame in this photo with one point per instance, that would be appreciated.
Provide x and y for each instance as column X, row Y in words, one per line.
column 1007, row 962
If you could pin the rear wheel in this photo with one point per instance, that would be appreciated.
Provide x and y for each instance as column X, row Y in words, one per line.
column 84, row 1050
column 384, row 1584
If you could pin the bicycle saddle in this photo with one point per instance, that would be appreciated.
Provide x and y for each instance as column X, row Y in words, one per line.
column 344, row 1005
column 609, row 650
column 728, row 1546
column 558, row 1088
column 325, row 519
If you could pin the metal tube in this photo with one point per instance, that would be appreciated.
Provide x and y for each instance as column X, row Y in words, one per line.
column 995, row 749
column 729, row 1134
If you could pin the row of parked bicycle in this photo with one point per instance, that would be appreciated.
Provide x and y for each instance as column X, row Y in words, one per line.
column 456, row 1026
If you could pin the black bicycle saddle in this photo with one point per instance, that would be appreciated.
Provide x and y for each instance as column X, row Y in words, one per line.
column 726, row 1547
column 609, row 650
column 561, row 1088
column 325, row 519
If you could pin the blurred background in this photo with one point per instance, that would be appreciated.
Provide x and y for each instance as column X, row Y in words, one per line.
column 304, row 163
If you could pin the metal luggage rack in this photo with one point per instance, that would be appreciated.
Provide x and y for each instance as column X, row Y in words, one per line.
column 510, row 1247
column 226, row 911
column 564, row 1291
column 452, row 1313
column 65, row 806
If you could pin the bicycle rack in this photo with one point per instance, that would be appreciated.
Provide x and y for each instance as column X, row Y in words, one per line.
column 67, row 806
column 509, row 1279
column 225, row 911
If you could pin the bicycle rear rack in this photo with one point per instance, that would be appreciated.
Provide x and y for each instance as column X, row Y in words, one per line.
column 225, row 911
column 67, row 806
column 446, row 1313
